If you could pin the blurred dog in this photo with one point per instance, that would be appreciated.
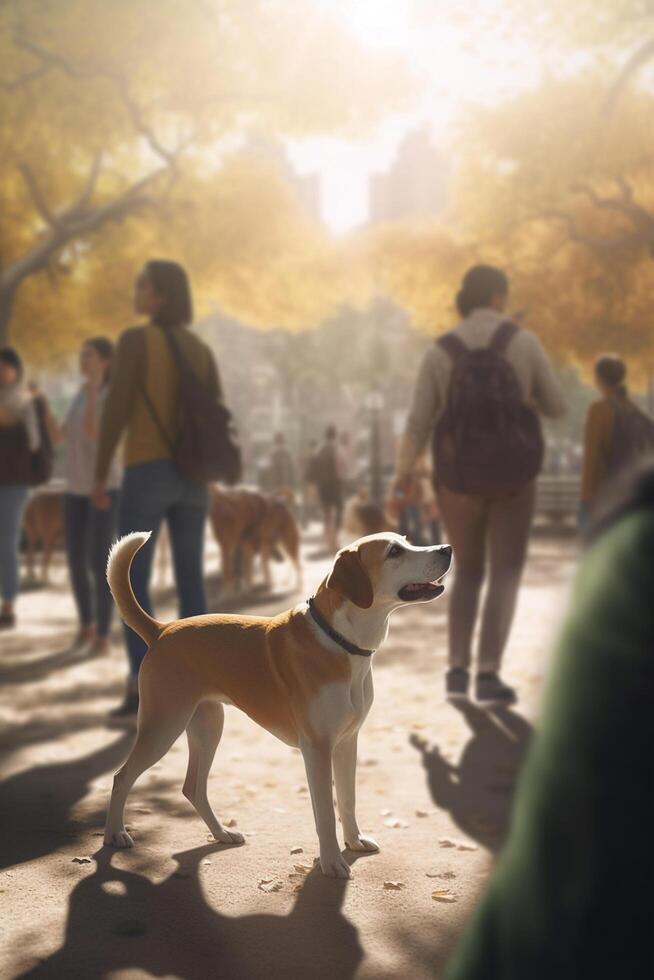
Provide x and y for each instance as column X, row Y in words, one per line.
column 43, row 524
column 361, row 517
column 247, row 523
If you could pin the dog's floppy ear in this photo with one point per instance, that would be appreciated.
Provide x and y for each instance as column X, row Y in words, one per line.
column 350, row 579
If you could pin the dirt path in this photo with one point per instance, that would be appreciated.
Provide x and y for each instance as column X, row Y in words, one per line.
column 180, row 906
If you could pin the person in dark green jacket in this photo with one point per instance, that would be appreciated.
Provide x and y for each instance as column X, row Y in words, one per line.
column 572, row 894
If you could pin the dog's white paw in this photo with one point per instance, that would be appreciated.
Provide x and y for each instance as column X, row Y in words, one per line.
column 229, row 837
column 335, row 866
column 359, row 843
column 119, row 839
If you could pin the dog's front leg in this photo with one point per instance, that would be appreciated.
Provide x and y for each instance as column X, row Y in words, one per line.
column 318, row 763
column 345, row 767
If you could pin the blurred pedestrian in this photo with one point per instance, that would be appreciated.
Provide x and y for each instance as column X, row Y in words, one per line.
column 309, row 488
column 329, row 484
column 477, row 394
column 20, row 441
column 144, row 402
column 617, row 433
column 90, row 531
column 570, row 897
column 281, row 472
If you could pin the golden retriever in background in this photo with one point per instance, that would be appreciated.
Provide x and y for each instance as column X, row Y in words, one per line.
column 43, row 524
column 247, row 523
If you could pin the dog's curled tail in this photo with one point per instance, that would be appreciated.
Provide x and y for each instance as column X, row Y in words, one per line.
column 118, row 568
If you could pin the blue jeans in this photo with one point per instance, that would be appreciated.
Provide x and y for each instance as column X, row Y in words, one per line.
column 12, row 504
column 89, row 534
column 151, row 493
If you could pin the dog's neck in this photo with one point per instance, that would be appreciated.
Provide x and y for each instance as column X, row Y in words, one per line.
column 365, row 628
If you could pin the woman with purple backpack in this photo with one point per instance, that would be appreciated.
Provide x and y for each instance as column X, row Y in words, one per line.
column 480, row 390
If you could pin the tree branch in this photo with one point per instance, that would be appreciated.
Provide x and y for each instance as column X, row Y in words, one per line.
column 14, row 84
column 77, row 224
column 640, row 57
column 601, row 244
column 37, row 197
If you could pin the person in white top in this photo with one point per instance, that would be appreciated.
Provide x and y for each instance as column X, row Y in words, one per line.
column 89, row 531
column 480, row 522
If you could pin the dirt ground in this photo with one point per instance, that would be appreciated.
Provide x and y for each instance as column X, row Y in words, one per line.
column 178, row 905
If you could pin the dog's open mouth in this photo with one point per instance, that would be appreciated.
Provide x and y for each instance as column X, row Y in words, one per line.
column 421, row 590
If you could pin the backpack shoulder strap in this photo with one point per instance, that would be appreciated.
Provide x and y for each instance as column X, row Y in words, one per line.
column 503, row 336
column 453, row 346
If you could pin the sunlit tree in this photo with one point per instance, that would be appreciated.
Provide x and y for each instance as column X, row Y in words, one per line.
column 115, row 122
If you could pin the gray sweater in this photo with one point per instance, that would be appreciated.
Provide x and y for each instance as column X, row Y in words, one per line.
column 532, row 366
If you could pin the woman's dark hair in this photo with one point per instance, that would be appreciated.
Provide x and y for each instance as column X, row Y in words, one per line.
column 612, row 370
column 104, row 348
column 479, row 285
column 170, row 282
column 10, row 356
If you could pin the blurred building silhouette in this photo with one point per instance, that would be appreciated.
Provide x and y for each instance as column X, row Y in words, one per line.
column 416, row 186
column 306, row 187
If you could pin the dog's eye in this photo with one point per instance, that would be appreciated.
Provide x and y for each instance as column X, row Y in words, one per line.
column 394, row 551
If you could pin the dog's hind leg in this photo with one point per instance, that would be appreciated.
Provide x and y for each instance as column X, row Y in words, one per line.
column 204, row 731
column 156, row 734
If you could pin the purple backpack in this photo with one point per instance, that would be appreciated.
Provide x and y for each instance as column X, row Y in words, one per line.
column 488, row 442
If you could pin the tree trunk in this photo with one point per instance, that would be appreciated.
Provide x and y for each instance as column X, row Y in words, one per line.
column 7, row 294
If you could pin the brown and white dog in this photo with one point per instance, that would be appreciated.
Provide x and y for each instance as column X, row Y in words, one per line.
column 247, row 523
column 304, row 675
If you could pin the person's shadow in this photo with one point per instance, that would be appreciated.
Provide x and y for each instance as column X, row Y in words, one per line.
column 120, row 920
column 478, row 791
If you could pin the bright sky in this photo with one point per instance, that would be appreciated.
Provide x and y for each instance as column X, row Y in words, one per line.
column 454, row 69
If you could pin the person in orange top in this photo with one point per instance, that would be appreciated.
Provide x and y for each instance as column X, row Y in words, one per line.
column 610, row 376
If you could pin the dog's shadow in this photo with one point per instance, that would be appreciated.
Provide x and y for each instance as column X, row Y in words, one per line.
column 478, row 790
column 119, row 920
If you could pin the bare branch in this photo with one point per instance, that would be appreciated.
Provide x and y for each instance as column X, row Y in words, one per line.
column 37, row 198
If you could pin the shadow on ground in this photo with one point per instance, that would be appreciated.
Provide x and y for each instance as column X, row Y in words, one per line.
column 120, row 920
column 35, row 815
column 478, row 791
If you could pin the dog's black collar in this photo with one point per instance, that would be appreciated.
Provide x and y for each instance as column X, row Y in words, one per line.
column 334, row 634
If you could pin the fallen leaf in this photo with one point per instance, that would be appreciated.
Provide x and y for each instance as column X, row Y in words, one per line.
column 385, row 813
column 142, row 809
column 396, row 824
column 231, row 822
column 393, row 886
column 443, row 895
column 269, row 885
column 448, row 875
column 297, row 850
column 301, row 789
column 82, row 860
column 446, row 842
column 422, row 813
column 466, row 846
column 206, row 861
column 303, row 869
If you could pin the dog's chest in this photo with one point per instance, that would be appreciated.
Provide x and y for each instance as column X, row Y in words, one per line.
column 341, row 707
